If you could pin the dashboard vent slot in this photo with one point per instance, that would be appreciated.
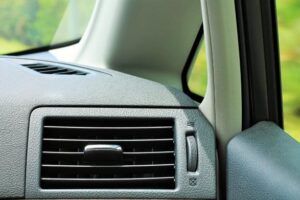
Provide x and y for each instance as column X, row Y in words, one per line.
column 148, row 159
column 53, row 69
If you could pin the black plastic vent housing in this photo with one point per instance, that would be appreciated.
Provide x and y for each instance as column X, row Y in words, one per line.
column 148, row 159
column 53, row 69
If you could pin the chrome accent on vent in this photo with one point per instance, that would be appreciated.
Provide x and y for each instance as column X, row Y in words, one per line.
column 148, row 153
column 53, row 69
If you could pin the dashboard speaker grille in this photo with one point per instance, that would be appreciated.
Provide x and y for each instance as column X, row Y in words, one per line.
column 53, row 69
column 148, row 160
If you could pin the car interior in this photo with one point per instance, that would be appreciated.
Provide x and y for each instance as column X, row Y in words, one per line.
column 113, row 107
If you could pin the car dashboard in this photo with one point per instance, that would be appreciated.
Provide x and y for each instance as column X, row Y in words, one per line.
column 55, row 115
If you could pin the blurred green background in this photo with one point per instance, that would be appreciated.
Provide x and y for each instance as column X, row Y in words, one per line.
column 288, row 16
column 27, row 24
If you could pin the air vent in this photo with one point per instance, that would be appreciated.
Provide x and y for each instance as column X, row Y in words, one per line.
column 148, row 159
column 53, row 69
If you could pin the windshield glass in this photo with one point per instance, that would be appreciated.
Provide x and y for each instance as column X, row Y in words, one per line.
column 31, row 24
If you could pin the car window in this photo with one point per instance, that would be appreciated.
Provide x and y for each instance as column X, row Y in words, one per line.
column 288, row 13
column 197, row 76
column 31, row 24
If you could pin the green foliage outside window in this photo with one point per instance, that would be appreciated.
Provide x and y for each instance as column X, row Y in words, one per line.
column 288, row 14
column 27, row 24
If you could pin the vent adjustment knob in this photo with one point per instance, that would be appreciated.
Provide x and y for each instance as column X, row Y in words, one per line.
column 192, row 153
column 103, row 153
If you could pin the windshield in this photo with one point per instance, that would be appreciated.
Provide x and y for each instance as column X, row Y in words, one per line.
column 31, row 24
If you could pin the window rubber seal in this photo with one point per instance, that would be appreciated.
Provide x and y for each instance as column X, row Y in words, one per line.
column 260, row 62
column 44, row 48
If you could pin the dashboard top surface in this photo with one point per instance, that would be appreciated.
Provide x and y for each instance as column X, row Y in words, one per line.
column 100, row 87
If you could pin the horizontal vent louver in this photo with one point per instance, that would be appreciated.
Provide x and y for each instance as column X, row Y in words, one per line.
column 53, row 69
column 148, row 154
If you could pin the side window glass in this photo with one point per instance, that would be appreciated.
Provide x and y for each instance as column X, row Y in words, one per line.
column 288, row 16
column 30, row 24
column 197, row 75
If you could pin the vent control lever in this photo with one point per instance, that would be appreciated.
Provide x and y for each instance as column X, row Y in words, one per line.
column 104, row 153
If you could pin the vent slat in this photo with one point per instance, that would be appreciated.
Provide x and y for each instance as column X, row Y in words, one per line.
column 109, row 128
column 53, row 69
column 36, row 66
column 71, row 72
column 147, row 161
column 57, row 153
column 108, row 183
column 126, row 169
column 107, row 179
column 157, row 157
column 42, row 67
column 106, row 133
column 47, row 69
column 108, row 166
column 127, row 146
column 108, row 141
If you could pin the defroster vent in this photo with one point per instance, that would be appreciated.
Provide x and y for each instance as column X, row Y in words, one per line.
column 144, row 156
column 44, row 68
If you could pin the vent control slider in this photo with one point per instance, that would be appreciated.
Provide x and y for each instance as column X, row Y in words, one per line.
column 105, row 153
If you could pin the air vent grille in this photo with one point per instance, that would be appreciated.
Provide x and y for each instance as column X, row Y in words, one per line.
column 53, row 69
column 148, row 153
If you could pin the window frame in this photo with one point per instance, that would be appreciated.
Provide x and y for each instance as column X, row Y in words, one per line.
column 260, row 62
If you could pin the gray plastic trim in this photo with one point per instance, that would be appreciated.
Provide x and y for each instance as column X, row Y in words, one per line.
column 263, row 163
column 200, row 184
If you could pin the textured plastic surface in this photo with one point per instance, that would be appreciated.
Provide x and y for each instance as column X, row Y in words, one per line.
column 263, row 163
column 23, row 90
column 24, row 86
